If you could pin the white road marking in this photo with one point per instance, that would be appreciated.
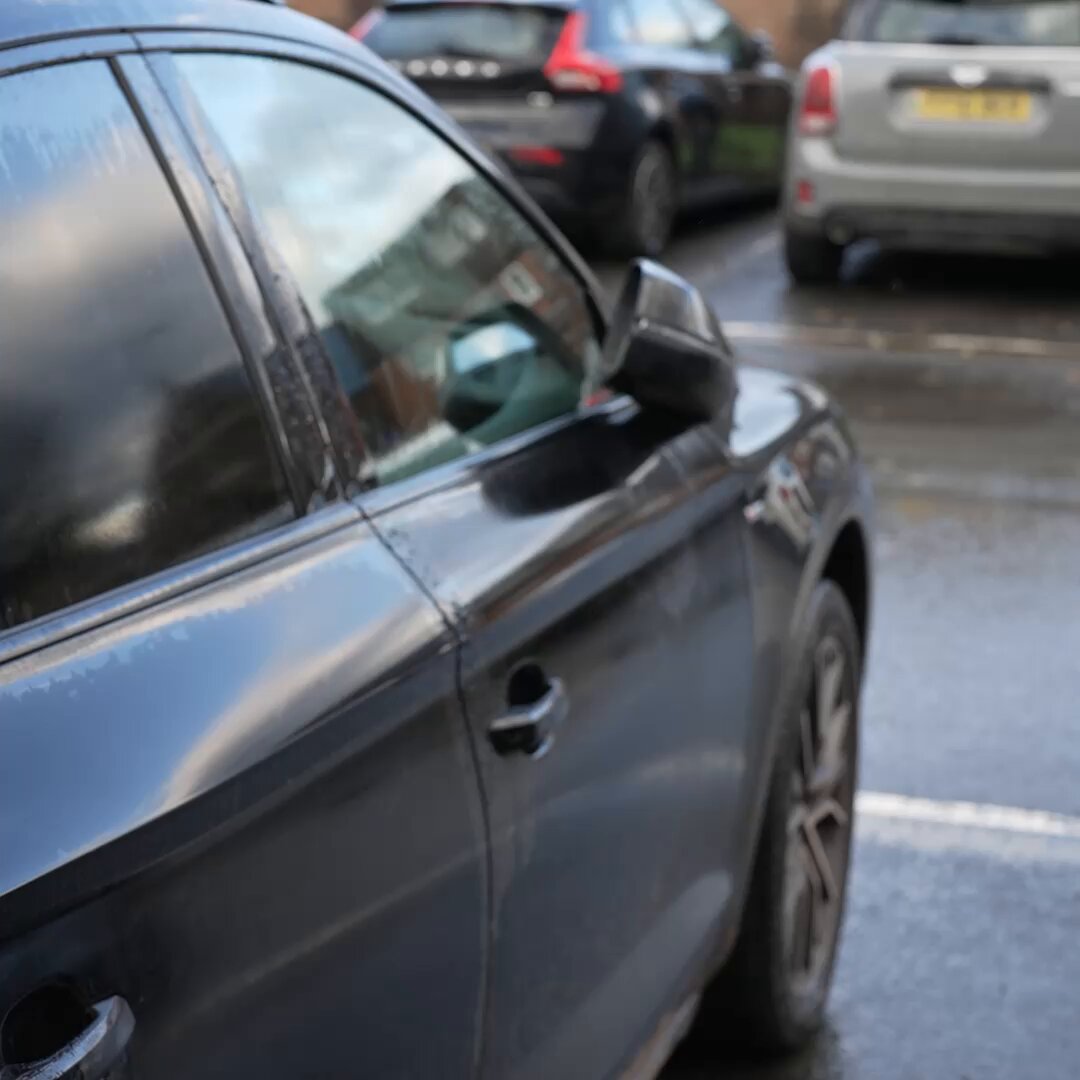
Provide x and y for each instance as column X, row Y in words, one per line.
column 969, row 815
column 847, row 337
column 762, row 246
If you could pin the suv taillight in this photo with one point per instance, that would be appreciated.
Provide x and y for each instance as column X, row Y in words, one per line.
column 572, row 67
column 818, row 115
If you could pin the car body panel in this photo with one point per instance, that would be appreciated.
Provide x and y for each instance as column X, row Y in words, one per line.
column 573, row 552
column 231, row 876
column 802, row 486
column 881, row 123
column 316, row 844
column 199, row 764
column 724, row 127
column 889, row 172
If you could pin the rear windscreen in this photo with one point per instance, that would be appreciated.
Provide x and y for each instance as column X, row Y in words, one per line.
column 985, row 22
column 478, row 31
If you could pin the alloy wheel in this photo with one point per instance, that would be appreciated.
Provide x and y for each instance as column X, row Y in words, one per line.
column 820, row 818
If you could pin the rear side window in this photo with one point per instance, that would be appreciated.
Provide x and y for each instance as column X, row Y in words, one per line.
column 661, row 23
column 714, row 29
column 451, row 323
column 504, row 33
column 131, row 437
column 989, row 22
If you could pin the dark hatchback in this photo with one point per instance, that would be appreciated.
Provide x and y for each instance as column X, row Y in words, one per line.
column 405, row 670
column 612, row 113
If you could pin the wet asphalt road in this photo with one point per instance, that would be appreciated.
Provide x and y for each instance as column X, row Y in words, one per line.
column 961, row 957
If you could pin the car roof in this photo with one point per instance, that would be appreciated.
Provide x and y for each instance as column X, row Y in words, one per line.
column 27, row 21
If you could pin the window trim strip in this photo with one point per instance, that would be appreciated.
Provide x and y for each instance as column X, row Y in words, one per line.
column 168, row 584
column 197, row 204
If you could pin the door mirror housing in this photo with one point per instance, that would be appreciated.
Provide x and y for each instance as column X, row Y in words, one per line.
column 665, row 347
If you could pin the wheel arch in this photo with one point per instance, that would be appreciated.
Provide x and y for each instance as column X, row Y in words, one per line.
column 848, row 566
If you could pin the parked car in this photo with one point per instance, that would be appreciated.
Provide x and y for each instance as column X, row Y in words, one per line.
column 403, row 671
column 938, row 124
column 611, row 113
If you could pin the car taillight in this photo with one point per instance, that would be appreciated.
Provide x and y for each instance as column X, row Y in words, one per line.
column 818, row 115
column 537, row 155
column 572, row 67
column 361, row 29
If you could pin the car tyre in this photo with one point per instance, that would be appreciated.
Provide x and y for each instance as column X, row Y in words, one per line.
column 770, row 997
column 812, row 259
column 651, row 204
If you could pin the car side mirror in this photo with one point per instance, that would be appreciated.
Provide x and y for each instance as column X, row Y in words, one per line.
column 665, row 347
column 762, row 47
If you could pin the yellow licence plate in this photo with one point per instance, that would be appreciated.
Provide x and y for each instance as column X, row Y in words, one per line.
column 993, row 106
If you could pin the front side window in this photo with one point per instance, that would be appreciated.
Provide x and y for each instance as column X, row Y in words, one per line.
column 981, row 22
column 451, row 322
column 131, row 437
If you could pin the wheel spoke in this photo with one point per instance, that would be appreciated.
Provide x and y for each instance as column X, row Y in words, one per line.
column 801, row 904
column 830, row 678
column 826, row 809
column 805, row 940
column 831, row 760
column 807, row 755
column 819, row 818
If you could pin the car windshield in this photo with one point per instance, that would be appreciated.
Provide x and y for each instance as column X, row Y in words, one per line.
column 490, row 31
column 989, row 22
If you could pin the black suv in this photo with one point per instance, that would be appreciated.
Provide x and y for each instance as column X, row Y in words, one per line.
column 613, row 113
column 404, row 670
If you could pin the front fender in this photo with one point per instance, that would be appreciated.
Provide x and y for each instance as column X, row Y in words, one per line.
column 805, row 487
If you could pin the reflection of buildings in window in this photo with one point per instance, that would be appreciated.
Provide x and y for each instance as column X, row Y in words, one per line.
column 466, row 255
column 429, row 276
column 434, row 275
column 397, row 308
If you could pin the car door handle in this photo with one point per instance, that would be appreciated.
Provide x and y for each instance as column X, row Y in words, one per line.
column 96, row 1053
column 530, row 729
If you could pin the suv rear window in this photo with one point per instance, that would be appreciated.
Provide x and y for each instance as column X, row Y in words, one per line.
column 986, row 22
column 499, row 32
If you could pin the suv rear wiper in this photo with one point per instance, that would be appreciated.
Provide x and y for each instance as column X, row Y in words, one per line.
column 447, row 49
column 948, row 39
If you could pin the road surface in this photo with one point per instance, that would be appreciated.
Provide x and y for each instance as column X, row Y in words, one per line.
column 961, row 957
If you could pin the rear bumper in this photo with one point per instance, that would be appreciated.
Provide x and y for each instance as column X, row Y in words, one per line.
column 588, row 135
column 584, row 187
column 968, row 207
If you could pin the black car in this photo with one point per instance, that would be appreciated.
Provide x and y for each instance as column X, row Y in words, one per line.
column 405, row 670
column 611, row 113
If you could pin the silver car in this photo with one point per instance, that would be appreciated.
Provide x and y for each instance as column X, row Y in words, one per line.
column 937, row 124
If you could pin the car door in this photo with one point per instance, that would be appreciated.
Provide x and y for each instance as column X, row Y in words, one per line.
column 752, row 94
column 238, row 801
column 599, row 592
column 661, row 46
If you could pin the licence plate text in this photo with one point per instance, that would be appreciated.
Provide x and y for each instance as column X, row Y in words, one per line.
column 982, row 106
